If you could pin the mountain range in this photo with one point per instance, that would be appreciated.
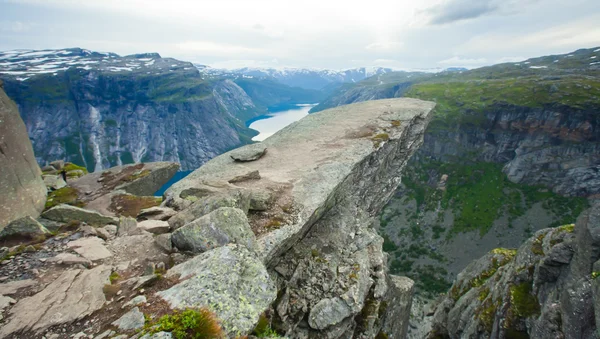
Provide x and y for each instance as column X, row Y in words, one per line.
column 101, row 109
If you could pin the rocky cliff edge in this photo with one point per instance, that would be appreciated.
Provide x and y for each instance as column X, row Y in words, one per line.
column 311, row 193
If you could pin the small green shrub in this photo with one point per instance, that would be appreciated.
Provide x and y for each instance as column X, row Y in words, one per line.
column 114, row 276
column 263, row 328
column 190, row 324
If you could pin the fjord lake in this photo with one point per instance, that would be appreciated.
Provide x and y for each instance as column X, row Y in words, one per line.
column 277, row 118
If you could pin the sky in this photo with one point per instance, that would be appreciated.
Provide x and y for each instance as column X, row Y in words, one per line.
column 323, row 34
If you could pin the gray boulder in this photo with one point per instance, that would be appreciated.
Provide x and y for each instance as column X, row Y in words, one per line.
column 128, row 226
column 54, row 182
column 155, row 226
column 156, row 213
column 23, row 227
column 328, row 312
column 66, row 213
column 247, row 153
column 164, row 242
column 230, row 281
column 21, row 184
column 205, row 205
column 218, row 228
column 58, row 164
column 131, row 320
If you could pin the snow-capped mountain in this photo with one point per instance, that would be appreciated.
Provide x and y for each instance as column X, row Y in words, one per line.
column 99, row 110
column 301, row 77
column 23, row 64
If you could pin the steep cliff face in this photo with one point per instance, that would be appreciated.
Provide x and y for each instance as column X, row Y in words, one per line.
column 554, row 145
column 102, row 110
column 512, row 149
column 21, row 184
column 312, row 199
column 548, row 288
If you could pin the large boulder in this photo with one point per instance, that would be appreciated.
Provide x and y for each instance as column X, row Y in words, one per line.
column 207, row 204
column 66, row 213
column 220, row 227
column 23, row 227
column 230, row 281
column 21, row 184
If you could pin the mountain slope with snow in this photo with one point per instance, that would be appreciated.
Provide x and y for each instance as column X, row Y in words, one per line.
column 101, row 109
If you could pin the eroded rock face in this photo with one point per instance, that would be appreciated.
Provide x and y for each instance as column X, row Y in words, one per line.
column 319, row 243
column 21, row 184
column 545, row 289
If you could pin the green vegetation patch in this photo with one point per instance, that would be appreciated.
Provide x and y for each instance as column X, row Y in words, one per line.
column 189, row 324
column 72, row 167
column 479, row 192
column 501, row 257
column 263, row 328
column 523, row 303
column 66, row 195
column 464, row 101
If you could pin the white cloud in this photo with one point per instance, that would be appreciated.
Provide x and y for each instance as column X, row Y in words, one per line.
column 16, row 26
column 384, row 46
column 216, row 49
column 309, row 33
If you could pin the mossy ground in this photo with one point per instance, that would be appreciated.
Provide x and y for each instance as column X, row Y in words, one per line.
column 66, row 195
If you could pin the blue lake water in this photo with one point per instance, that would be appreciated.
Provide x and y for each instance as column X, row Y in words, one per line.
column 266, row 125
column 269, row 124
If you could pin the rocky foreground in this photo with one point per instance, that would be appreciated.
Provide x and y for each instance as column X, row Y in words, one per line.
column 278, row 233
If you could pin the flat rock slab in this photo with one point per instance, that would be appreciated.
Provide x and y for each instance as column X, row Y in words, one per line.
column 230, row 281
column 137, row 179
column 14, row 286
column 220, row 227
column 70, row 259
column 91, row 248
column 155, row 226
column 66, row 213
column 315, row 155
column 72, row 296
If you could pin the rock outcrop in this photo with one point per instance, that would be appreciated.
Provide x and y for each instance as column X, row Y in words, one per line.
column 21, row 184
column 548, row 288
column 329, row 174
column 121, row 190
column 72, row 296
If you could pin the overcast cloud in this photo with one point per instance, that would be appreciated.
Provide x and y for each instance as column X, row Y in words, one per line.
column 308, row 33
